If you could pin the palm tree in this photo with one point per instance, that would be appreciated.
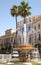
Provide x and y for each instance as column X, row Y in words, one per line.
column 24, row 9
column 14, row 12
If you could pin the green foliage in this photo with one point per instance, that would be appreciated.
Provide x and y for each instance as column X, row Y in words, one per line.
column 38, row 45
column 24, row 9
column 2, row 47
column 14, row 10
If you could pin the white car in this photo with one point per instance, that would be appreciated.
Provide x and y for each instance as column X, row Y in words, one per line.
column 15, row 54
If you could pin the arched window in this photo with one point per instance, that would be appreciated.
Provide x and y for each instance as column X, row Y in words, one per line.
column 38, row 26
column 35, row 27
column 30, row 40
column 39, row 37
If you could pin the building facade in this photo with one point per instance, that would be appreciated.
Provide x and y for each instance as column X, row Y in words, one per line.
column 36, row 35
column 8, row 38
column 33, row 30
column 28, row 33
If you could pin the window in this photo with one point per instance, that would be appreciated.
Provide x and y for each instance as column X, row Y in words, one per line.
column 30, row 40
column 38, row 26
column 35, row 27
column 7, row 40
column 35, row 37
column 39, row 37
column 30, row 20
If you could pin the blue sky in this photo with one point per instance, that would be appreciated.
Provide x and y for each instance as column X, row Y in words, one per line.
column 7, row 21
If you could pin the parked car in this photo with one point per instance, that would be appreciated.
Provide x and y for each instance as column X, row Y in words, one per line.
column 15, row 54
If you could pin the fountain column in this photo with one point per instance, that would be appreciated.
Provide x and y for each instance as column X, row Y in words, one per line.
column 24, row 34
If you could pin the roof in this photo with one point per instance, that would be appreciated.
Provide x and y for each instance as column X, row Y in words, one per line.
column 33, row 18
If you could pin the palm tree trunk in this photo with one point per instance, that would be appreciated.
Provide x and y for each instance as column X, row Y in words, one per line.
column 16, row 32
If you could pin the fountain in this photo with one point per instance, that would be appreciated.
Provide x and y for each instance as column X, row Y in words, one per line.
column 24, row 47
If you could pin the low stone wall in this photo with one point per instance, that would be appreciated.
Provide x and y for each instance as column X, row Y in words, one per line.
column 5, row 56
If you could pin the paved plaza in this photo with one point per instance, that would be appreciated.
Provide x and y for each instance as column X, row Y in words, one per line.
column 7, row 60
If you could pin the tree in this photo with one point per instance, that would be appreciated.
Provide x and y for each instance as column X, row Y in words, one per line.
column 38, row 45
column 24, row 9
column 14, row 12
